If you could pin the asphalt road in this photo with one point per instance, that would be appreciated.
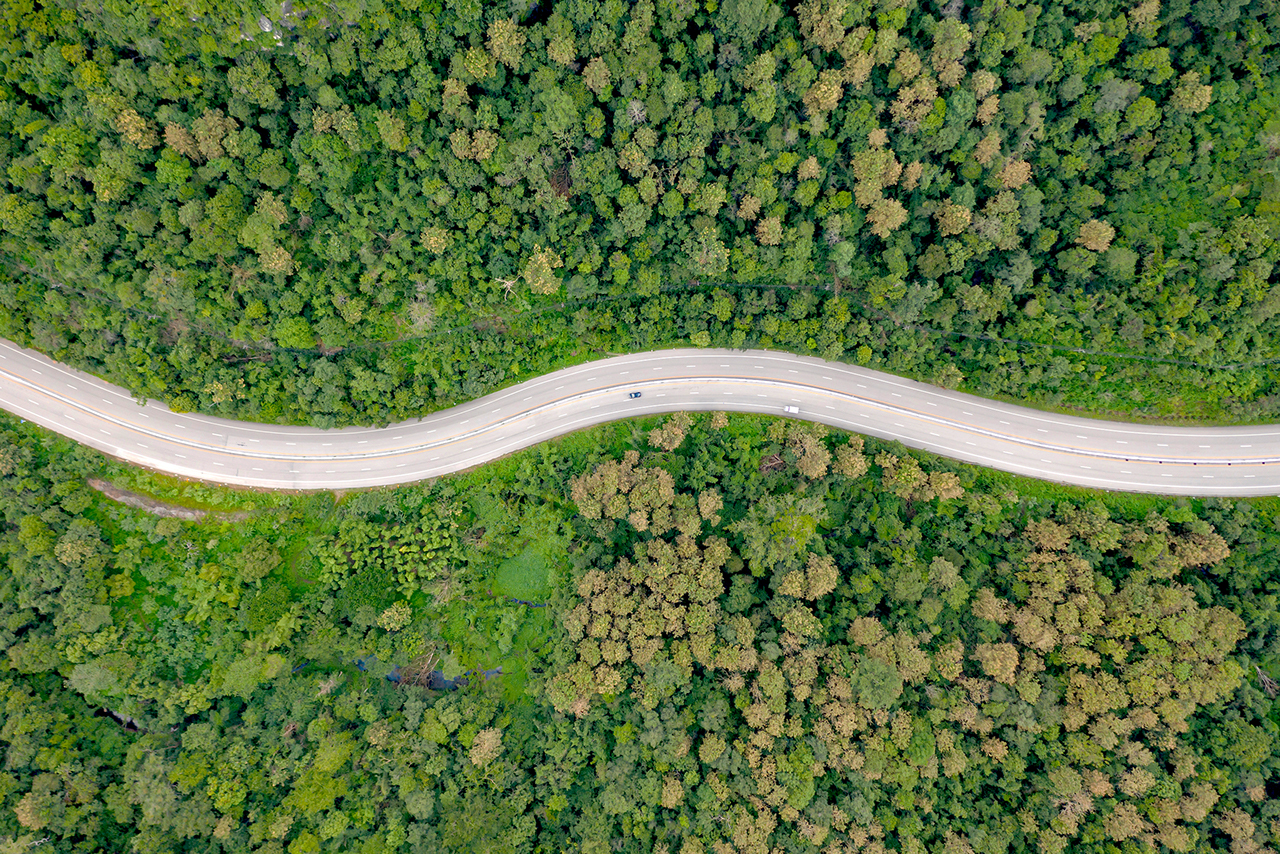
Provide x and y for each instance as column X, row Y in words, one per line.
column 1202, row 461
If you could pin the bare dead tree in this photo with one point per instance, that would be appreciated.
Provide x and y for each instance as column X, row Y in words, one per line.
column 1268, row 684
column 418, row 672
column 508, row 286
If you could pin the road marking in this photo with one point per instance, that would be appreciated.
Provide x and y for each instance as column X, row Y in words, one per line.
column 237, row 444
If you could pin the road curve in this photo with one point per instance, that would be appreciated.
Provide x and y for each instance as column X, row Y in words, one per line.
column 1204, row 461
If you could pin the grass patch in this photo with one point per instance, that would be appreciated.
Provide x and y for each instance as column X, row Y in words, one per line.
column 524, row 576
column 530, row 553
column 297, row 567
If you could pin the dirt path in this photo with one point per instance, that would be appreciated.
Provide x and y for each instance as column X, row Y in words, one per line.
column 159, row 508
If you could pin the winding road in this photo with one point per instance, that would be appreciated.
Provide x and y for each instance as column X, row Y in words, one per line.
column 1204, row 461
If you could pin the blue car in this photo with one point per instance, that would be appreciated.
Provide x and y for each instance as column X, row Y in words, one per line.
column 634, row 395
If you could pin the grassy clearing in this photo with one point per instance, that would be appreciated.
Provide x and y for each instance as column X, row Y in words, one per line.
column 540, row 541
column 525, row 576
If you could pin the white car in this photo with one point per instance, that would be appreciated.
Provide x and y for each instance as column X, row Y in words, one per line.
column 791, row 409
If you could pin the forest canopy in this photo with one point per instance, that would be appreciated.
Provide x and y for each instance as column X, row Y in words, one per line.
column 695, row 635
column 703, row 635
column 352, row 212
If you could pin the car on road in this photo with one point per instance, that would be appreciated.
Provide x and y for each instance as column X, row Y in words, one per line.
column 634, row 395
column 791, row 409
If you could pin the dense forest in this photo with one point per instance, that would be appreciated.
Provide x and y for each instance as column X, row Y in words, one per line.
column 353, row 211
column 701, row 635
column 692, row 635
